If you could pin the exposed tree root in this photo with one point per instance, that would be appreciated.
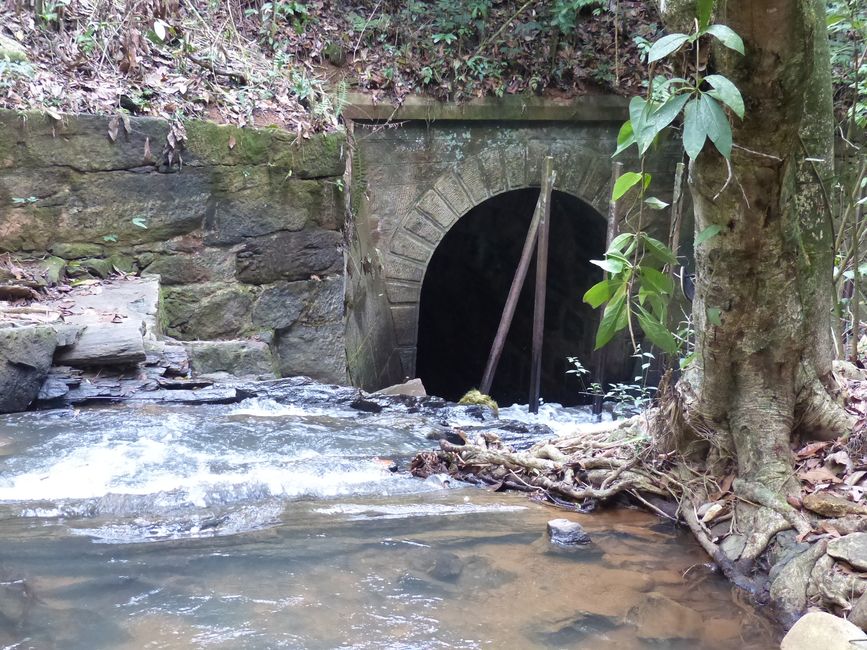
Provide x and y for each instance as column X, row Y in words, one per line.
column 579, row 471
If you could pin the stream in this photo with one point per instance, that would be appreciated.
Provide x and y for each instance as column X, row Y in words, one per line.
column 281, row 524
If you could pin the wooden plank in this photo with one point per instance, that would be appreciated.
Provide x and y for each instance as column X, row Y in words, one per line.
column 548, row 178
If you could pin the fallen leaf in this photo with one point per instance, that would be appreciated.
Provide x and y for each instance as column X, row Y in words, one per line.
column 812, row 449
column 113, row 125
column 819, row 475
column 232, row 142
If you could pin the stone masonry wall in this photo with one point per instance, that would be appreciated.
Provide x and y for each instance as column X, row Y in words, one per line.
column 246, row 235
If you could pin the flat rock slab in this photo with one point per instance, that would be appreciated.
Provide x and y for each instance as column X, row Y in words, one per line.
column 239, row 358
column 823, row 631
column 659, row 618
column 105, row 344
column 851, row 548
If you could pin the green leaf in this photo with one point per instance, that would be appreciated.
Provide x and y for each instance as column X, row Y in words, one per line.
column 693, row 131
column 601, row 292
column 716, row 124
column 656, row 203
column 708, row 233
column 640, row 116
column 727, row 36
column 621, row 242
column 703, row 11
column 610, row 265
column 656, row 281
column 625, row 138
column 140, row 222
column 665, row 114
column 713, row 315
column 623, row 184
column 614, row 318
column 656, row 331
column 725, row 91
column 665, row 46
column 688, row 359
column 659, row 250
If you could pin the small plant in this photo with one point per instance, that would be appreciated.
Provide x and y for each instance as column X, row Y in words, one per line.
column 23, row 200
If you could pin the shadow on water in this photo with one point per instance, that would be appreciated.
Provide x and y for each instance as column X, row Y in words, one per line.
column 150, row 530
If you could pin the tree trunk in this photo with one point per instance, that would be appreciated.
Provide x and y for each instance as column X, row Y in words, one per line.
column 759, row 375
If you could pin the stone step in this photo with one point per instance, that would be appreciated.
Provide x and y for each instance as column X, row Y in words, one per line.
column 105, row 344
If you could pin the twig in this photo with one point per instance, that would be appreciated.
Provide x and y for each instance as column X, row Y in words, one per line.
column 502, row 27
column 728, row 179
column 209, row 65
column 757, row 153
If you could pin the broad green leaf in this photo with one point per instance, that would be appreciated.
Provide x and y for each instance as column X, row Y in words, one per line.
column 656, row 331
column 725, row 91
column 641, row 117
column 665, row 114
column 716, row 125
column 656, row 203
column 659, row 250
column 623, row 184
column 703, row 9
column 612, row 266
column 601, row 292
column 708, row 233
column 693, row 131
column 665, row 46
column 727, row 36
column 625, row 138
column 656, row 281
column 688, row 359
column 140, row 222
column 713, row 315
column 621, row 242
column 614, row 318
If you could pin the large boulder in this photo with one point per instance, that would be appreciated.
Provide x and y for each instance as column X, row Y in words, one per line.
column 207, row 311
column 25, row 357
column 824, row 631
column 290, row 256
column 314, row 350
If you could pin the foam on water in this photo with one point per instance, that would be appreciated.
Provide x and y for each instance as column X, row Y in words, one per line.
column 563, row 420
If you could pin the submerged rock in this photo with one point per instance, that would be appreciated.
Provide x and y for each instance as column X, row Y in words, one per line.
column 564, row 532
column 825, row 631
column 659, row 618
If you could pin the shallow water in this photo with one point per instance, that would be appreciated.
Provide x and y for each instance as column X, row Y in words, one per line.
column 266, row 525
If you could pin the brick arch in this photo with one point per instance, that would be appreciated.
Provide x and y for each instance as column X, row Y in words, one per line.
column 470, row 182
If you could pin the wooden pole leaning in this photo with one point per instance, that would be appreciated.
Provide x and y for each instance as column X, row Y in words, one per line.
column 600, row 357
column 548, row 179
column 511, row 301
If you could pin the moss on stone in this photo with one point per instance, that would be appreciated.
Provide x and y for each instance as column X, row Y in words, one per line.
column 475, row 396
column 77, row 250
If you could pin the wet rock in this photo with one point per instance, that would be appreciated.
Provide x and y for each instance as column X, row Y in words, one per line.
column 25, row 358
column 170, row 357
column 831, row 505
column 822, row 630
column 178, row 269
column 308, row 301
column 290, row 256
column 412, row 388
column 567, row 533
column 659, row 618
column 238, row 358
column 108, row 344
column 851, row 548
column 366, row 405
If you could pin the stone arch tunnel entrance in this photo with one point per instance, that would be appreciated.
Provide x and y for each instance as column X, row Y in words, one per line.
column 465, row 288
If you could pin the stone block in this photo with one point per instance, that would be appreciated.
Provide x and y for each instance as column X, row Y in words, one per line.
column 436, row 207
column 316, row 351
column 105, row 344
column 495, row 174
column 474, row 181
column 290, row 256
column 311, row 301
column 25, row 357
column 178, row 269
column 421, row 225
column 239, row 358
column 402, row 292
column 207, row 311
column 449, row 187
column 399, row 269
column 265, row 203
column 405, row 320
column 514, row 157
column 415, row 249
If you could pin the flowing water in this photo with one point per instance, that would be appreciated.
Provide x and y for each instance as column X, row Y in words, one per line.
column 268, row 525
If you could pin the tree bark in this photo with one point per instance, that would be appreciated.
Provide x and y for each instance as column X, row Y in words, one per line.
column 759, row 375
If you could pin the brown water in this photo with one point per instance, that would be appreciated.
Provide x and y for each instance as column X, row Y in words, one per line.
column 149, row 550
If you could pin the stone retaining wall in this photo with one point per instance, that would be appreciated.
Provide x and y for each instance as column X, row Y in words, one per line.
column 245, row 234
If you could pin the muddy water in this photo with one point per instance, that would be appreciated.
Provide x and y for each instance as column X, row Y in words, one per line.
column 279, row 526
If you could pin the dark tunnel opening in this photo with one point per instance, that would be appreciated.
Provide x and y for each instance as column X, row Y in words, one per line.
column 465, row 289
